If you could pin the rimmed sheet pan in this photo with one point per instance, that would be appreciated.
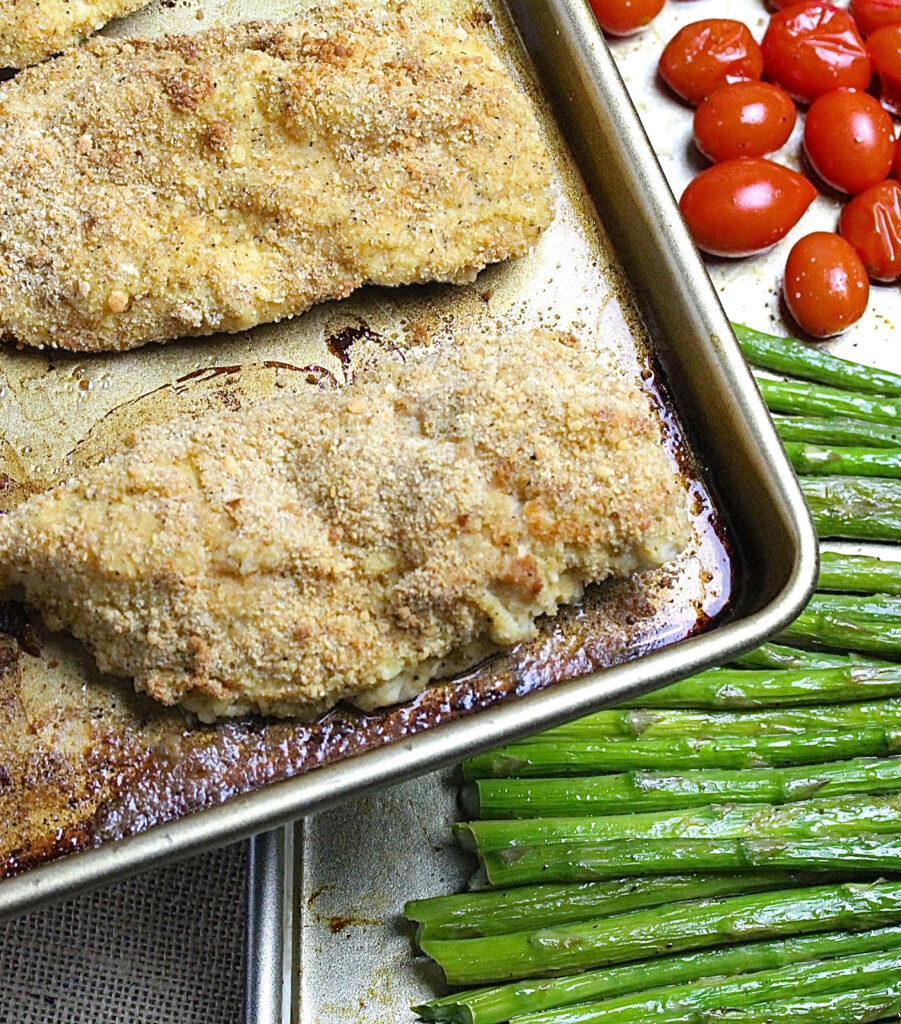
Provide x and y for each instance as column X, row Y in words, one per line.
column 115, row 784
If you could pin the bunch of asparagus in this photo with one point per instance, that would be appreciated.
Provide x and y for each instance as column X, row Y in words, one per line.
column 840, row 423
column 726, row 849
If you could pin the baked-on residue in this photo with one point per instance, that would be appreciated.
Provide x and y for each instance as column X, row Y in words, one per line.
column 183, row 186
column 31, row 30
column 339, row 544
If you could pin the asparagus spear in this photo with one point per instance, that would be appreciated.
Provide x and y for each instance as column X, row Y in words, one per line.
column 546, row 757
column 702, row 1001
column 858, row 573
column 649, row 791
column 499, row 1003
column 780, row 656
column 829, row 817
column 836, row 430
column 498, row 911
column 592, row 862
column 854, row 508
column 795, row 359
column 656, row 723
column 671, row 929
column 860, row 622
column 852, row 680
column 854, row 1007
column 801, row 398
column 817, row 460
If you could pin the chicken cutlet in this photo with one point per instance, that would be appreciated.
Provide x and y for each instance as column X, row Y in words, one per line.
column 32, row 30
column 339, row 544
column 189, row 185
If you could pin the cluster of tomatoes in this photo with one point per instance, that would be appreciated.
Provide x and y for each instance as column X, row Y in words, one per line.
column 826, row 58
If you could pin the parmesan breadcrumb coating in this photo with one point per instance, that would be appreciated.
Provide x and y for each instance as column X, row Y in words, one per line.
column 31, row 30
column 339, row 544
column 183, row 186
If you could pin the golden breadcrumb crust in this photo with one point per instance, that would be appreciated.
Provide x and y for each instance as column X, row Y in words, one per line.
column 335, row 543
column 188, row 185
column 31, row 30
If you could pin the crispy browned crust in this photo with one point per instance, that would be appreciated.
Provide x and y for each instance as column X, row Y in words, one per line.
column 334, row 543
column 31, row 30
column 184, row 186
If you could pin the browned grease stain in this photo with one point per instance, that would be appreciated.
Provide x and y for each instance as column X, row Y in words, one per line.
column 14, row 622
column 340, row 343
column 157, row 767
column 336, row 925
column 315, row 894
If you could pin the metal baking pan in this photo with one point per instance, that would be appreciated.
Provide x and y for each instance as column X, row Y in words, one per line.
column 335, row 920
column 115, row 784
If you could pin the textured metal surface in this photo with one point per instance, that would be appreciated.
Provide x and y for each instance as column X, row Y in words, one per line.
column 101, row 764
column 269, row 951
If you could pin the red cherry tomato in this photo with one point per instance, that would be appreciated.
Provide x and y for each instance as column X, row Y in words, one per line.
column 811, row 48
column 871, row 222
column 825, row 285
column 885, row 49
column 849, row 139
column 872, row 14
column 706, row 54
column 896, row 166
column 744, row 119
column 623, row 17
column 744, row 206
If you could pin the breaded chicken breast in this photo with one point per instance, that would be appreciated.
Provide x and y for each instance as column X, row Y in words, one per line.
column 155, row 189
column 339, row 544
column 31, row 30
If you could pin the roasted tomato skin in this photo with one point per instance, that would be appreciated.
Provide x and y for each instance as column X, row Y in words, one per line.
column 744, row 119
column 706, row 54
column 825, row 285
column 871, row 222
column 811, row 48
column 623, row 17
column 870, row 15
column 743, row 206
column 885, row 49
column 849, row 139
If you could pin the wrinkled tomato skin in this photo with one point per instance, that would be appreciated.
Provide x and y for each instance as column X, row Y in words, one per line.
column 871, row 222
column 849, row 139
column 811, row 48
column 825, row 285
column 885, row 49
column 870, row 15
column 706, row 54
column 744, row 119
column 744, row 206
column 624, row 17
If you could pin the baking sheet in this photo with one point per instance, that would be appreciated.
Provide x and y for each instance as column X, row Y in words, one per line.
column 93, row 762
column 353, row 874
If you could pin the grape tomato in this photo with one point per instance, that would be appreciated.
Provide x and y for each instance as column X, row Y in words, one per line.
column 811, row 48
column 849, row 139
column 744, row 119
column 743, row 206
column 870, row 15
column 871, row 222
column 623, row 17
column 825, row 285
column 885, row 49
column 706, row 54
